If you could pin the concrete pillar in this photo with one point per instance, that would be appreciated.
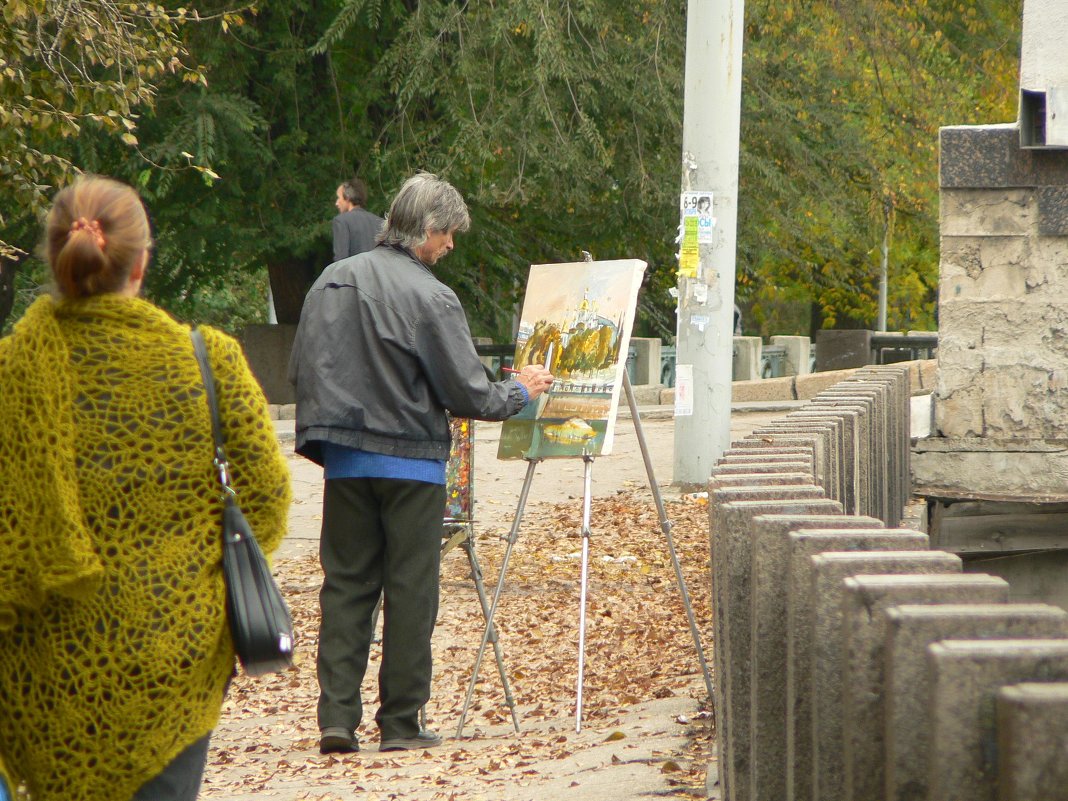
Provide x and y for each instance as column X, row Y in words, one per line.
column 910, row 629
column 832, row 442
column 798, row 354
column 862, row 715
column 966, row 677
column 267, row 348
column 770, row 547
column 827, row 670
column 816, row 444
column 646, row 360
column 1032, row 721
column 730, row 514
column 842, row 349
column 746, row 363
column 725, row 469
column 898, row 549
column 864, row 450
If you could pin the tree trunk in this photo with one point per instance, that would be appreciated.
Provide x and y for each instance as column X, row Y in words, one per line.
column 8, row 269
column 290, row 281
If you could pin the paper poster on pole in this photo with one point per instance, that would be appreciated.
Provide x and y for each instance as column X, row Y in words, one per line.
column 683, row 390
column 698, row 205
column 576, row 320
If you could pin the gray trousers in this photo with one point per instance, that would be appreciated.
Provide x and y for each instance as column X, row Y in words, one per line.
column 180, row 780
column 380, row 536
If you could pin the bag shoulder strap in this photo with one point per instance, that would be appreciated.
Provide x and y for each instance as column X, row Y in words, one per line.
column 206, row 375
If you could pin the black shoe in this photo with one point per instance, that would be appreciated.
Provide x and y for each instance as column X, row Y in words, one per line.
column 424, row 739
column 337, row 740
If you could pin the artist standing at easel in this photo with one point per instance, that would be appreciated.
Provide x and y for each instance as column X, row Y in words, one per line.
column 382, row 352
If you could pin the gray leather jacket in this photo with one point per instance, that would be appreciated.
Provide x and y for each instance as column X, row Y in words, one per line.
column 383, row 349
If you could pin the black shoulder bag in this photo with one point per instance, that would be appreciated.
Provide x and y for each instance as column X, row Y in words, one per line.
column 260, row 624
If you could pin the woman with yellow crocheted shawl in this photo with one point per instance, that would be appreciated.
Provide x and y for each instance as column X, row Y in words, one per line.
column 114, row 647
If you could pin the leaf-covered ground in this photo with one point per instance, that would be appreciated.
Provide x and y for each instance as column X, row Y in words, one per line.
column 638, row 648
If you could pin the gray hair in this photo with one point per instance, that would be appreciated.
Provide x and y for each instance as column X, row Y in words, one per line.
column 425, row 203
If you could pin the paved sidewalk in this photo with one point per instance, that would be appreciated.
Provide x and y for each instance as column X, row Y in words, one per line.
column 643, row 752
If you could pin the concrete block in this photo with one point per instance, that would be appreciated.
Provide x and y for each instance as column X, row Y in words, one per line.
column 982, row 156
column 926, row 376
column 910, row 629
column 810, row 385
column 267, row 349
column 826, row 671
column 730, row 514
column 647, row 360
column 645, row 395
column 763, row 389
column 755, row 479
column 1032, row 727
column 831, row 446
column 737, row 468
column 983, row 269
column 860, row 442
column 897, row 380
column 862, row 715
column 976, row 467
column 746, row 360
column 849, row 421
column 983, row 213
column 768, row 610
column 800, row 627
column 818, row 443
column 837, row 350
column 1052, row 211
column 742, row 457
column 880, row 463
column 966, row 676
column 798, row 353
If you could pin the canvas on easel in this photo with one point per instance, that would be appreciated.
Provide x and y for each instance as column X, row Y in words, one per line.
column 577, row 319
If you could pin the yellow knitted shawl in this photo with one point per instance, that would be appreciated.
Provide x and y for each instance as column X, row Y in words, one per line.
column 114, row 648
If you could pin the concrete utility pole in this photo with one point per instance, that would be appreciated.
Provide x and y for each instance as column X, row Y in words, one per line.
column 704, row 345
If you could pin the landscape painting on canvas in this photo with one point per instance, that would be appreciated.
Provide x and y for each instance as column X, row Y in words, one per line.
column 577, row 319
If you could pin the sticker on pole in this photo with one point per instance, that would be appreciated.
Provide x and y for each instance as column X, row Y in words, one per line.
column 683, row 390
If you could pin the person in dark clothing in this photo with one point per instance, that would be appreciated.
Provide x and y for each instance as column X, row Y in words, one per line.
column 354, row 227
column 382, row 353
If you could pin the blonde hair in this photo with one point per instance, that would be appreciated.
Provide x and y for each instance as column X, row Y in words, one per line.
column 94, row 236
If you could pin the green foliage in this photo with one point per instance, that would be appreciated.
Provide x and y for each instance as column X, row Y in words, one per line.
column 67, row 66
column 559, row 122
column 842, row 103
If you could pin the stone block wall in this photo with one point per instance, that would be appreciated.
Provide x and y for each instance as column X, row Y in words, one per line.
column 853, row 663
column 1002, row 317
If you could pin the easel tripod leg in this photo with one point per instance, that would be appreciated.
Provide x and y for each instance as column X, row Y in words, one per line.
column 476, row 573
column 513, row 535
column 666, row 526
column 586, row 502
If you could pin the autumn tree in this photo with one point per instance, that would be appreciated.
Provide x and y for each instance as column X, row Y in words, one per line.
column 842, row 102
column 67, row 66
